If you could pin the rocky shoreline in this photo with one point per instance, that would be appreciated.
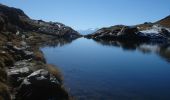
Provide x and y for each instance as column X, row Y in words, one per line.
column 158, row 32
column 25, row 75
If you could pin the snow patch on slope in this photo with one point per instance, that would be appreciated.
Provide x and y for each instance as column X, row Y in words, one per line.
column 156, row 29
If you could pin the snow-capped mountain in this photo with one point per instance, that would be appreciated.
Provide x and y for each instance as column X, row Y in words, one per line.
column 87, row 31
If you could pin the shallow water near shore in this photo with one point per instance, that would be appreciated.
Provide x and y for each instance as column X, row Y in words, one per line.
column 99, row 70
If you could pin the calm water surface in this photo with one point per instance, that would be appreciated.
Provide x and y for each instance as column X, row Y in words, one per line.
column 112, row 70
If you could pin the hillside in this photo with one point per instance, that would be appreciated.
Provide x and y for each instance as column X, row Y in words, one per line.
column 147, row 32
column 22, row 64
column 164, row 22
column 13, row 20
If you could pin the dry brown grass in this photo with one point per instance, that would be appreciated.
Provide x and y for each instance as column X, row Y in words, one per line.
column 6, row 59
column 38, row 55
column 4, row 92
column 165, row 22
column 3, row 75
column 2, row 39
column 55, row 71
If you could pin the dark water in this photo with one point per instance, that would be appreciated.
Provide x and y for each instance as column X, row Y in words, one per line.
column 99, row 70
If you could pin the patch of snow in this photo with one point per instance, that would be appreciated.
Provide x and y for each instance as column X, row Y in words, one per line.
column 156, row 29
column 150, row 31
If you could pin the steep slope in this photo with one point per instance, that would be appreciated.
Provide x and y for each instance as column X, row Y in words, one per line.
column 164, row 22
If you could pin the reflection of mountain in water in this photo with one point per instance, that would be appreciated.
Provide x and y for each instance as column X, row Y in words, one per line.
column 163, row 50
column 58, row 42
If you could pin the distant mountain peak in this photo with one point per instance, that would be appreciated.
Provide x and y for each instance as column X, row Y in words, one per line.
column 87, row 31
column 92, row 29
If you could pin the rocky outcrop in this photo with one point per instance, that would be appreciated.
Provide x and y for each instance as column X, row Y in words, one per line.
column 44, row 81
column 110, row 31
column 30, row 77
column 156, row 33
column 123, row 33
column 147, row 32
column 56, row 29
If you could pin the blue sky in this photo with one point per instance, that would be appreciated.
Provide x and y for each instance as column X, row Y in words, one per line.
column 84, row 14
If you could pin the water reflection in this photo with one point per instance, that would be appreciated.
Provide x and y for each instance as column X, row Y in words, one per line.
column 57, row 42
column 101, row 70
column 161, row 49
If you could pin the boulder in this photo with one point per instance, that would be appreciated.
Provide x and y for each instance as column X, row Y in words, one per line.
column 41, row 85
column 165, row 32
column 128, row 31
column 19, row 71
column 20, row 51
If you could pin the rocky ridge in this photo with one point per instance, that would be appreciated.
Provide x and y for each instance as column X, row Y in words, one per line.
column 147, row 32
column 13, row 20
